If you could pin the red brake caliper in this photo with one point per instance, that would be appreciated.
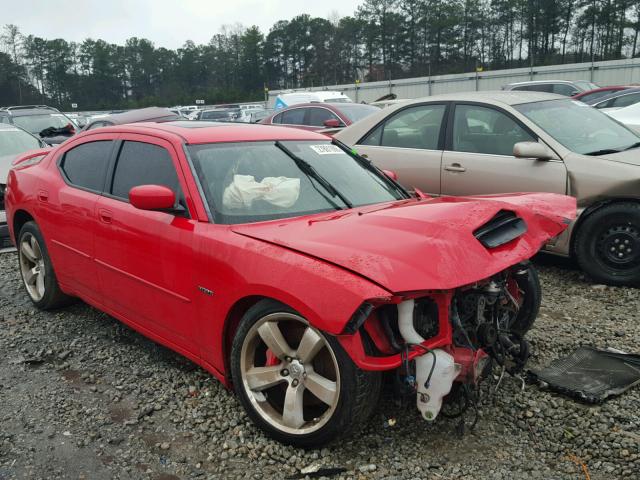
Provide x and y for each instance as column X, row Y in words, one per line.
column 271, row 359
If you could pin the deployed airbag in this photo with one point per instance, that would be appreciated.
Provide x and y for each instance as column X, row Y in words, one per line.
column 244, row 190
column 591, row 375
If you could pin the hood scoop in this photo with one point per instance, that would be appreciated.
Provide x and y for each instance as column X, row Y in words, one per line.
column 502, row 228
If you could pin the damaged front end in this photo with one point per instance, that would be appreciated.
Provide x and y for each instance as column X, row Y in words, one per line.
column 437, row 339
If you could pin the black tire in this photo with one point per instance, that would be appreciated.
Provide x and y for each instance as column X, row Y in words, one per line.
column 607, row 244
column 53, row 297
column 359, row 390
column 529, row 283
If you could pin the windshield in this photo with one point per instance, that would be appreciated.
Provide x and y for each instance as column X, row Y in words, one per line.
column 37, row 123
column 257, row 181
column 579, row 127
column 357, row 112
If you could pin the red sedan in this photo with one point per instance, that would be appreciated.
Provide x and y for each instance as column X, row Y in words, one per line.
column 319, row 116
column 283, row 263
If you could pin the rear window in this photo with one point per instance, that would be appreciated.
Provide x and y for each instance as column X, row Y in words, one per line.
column 85, row 166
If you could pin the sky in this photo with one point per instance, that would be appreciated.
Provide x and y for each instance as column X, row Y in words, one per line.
column 167, row 23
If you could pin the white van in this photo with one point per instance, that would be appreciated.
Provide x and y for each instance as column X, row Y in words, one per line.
column 287, row 99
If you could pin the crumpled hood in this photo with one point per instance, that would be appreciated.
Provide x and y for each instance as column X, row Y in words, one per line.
column 420, row 245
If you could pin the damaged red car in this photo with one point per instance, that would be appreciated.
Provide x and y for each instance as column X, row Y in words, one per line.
column 283, row 263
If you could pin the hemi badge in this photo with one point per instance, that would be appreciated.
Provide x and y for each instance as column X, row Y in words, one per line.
column 205, row 290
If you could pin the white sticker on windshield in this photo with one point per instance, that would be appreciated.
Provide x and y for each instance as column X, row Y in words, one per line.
column 326, row 149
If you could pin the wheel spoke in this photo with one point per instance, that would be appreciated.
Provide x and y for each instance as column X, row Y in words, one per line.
column 293, row 412
column 310, row 344
column 36, row 248
column 30, row 276
column 40, row 283
column 28, row 252
column 261, row 378
column 321, row 387
column 272, row 336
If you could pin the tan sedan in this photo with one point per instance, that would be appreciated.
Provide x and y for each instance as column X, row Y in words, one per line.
column 499, row 142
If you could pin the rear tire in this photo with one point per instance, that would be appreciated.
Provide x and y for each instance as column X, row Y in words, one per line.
column 280, row 382
column 36, row 270
column 607, row 244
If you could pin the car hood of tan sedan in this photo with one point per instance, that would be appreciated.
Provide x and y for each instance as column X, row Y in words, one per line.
column 415, row 245
column 631, row 157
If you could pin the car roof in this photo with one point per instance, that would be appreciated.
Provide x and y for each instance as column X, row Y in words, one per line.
column 25, row 111
column 504, row 97
column 533, row 82
column 140, row 115
column 214, row 132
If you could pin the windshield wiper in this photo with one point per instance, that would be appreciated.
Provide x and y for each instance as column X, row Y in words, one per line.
column 635, row 145
column 307, row 168
column 368, row 164
column 604, row 151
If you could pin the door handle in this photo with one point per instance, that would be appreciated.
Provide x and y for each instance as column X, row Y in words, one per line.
column 43, row 195
column 105, row 215
column 455, row 167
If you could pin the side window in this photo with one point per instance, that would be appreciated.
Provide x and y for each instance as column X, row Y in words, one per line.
column 626, row 100
column 294, row 116
column 486, row 130
column 85, row 166
column 277, row 119
column 374, row 137
column 143, row 164
column 414, row 127
column 564, row 89
column 317, row 117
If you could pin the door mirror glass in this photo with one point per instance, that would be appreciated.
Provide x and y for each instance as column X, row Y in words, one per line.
column 152, row 197
column 531, row 150
column 391, row 174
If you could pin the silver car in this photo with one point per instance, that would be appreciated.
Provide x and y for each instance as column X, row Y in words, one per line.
column 499, row 142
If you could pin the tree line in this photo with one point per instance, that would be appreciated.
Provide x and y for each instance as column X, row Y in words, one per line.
column 383, row 39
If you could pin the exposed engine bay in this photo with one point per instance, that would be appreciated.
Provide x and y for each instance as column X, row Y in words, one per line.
column 447, row 342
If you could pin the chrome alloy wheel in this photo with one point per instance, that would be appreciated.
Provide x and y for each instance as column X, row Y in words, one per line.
column 32, row 266
column 290, row 373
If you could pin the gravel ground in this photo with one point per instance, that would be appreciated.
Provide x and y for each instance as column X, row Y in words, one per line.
column 82, row 396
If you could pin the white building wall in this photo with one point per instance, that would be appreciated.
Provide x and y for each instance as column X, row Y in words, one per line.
column 613, row 72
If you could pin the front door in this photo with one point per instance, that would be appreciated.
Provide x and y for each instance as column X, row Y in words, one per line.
column 409, row 144
column 479, row 157
column 144, row 258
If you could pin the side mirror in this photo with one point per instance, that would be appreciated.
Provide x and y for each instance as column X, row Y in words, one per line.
column 574, row 93
column 531, row 150
column 152, row 197
column 332, row 123
column 391, row 174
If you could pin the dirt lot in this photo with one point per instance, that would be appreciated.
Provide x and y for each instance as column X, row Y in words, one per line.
column 82, row 396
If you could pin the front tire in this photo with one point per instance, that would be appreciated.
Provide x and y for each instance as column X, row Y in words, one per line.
column 607, row 244
column 36, row 270
column 295, row 382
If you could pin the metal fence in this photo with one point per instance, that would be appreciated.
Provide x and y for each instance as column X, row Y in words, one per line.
column 612, row 72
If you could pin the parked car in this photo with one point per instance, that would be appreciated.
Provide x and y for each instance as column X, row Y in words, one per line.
column 282, row 263
column 317, row 116
column 629, row 116
column 259, row 115
column 496, row 142
column 591, row 96
column 13, row 141
column 285, row 100
column 150, row 114
column 617, row 100
column 561, row 87
column 219, row 114
column 48, row 123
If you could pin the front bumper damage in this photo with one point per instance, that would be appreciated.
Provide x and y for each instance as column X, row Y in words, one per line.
column 433, row 352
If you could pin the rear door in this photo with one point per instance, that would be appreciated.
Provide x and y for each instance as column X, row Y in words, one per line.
column 69, row 221
column 409, row 142
column 479, row 156
column 145, row 258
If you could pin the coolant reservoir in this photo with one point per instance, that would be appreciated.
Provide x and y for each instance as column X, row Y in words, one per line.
column 429, row 400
